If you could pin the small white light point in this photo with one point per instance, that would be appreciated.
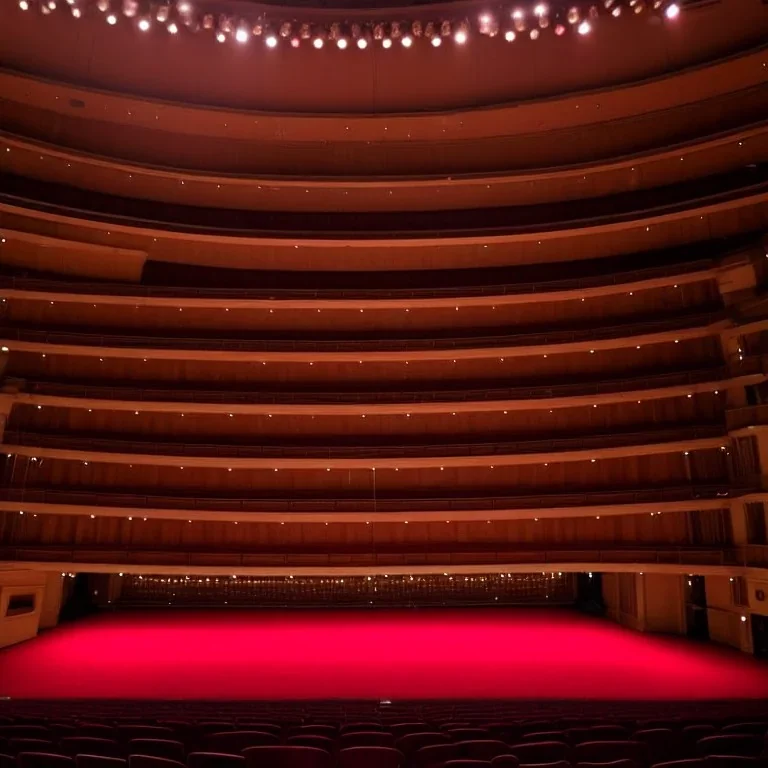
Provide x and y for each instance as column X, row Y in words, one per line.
column 672, row 11
column 221, row 37
column 173, row 28
column 362, row 43
column 111, row 19
column 407, row 41
column 386, row 43
column 341, row 43
column 436, row 42
column 242, row 35
column 509, row 35
column 144, row 25
column 24, row 5
column 460, row 37
column 318, row 43
column 584, row 28
column 271, row 41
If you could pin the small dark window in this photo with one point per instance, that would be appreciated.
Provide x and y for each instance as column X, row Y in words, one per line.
column 19, row 604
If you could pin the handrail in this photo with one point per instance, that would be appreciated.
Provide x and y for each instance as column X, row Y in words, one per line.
column 152, row 448
column 747, row 416
column 749, row 366
column 92, row 498
column 502, row 289
column 697, row 320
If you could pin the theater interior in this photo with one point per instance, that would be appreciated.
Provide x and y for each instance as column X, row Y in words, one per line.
column 383, row 385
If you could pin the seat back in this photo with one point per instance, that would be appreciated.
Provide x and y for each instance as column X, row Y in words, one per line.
column 312, row 740
column 148, row 761
column 607, row 751
column 505, row 761
column 287, row 757
column 234, row 742
column 434, row 754
column 739, row 745
column 170, row 750
column 412, row 742
column 98, row 761
column 38, row 746
column 370, row 757
column 366, row 739
column 90, row 745
column 214, row 760
column 482, row 749
column 541, row 752
column 43, row 760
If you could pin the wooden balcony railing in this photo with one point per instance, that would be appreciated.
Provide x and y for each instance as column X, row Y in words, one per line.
column 132, row 499
column 154, row 448
column 690, row 321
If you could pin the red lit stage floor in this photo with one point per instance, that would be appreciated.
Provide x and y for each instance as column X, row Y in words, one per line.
column 513, row 653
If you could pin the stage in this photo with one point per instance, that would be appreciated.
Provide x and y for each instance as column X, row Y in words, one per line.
column 428, row 654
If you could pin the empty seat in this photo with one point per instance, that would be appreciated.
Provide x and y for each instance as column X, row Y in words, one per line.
column 733, row 761
column 435, row 754
column 214, row 760
column 467, row 764
column 539, row 736
column 287, row 757
column 555, row 764
column 505, row 761
column 744, row 745
column 32, row 745
column 90, row 745
column 541, row 752
column 690, row 762
column 663, row 744
column 607, row 751
column 98, row 761
column 398, row 730
column 318, row 729
column 259, row 726
column 612, row 764
column 360, row 726
column 608, row 733
column 171, row 750
column 97, row 730
column 366, row 739
column 43, row 760
column 311, row 740
column 467, row 734
column 692, row 734
column 148, row 761
column 126, row 733
column 25, row 731
column 7, row 761
column 482, row 749
column 370, row 757
column 755, row 728
column 234, row 742
column 412, row 742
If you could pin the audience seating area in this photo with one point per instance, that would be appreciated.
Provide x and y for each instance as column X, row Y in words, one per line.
column 421, row 736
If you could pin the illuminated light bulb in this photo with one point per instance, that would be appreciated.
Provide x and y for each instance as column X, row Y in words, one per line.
column 616, row 12
column 295, row 42
column 24, row 5
column 436, row 43
column 509, row 35
column 318, row 43
column 517, row 14
column 184, row 7
column 386, row 43
column 540, row 10
column 461, row 36
column 242, row 35
column 221, row 38
column 407, row 41
column 672, row 11
column 534, row 34
column 144, row 24
column 362, row 43
column 743, row 618
column 112, row 19
column 271, row 41
column 76, row 12
column 559, row 30
column 584, row 28
column 173, row 28
column 341, row 43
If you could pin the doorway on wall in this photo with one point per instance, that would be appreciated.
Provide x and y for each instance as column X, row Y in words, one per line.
column 759, row 635
column 696, row 620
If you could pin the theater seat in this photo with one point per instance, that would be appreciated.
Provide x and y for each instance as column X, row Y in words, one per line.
column 32, row 745
column 43, row 760
column 7, row 761
column 754, row 728
column 234, row 742
column 126, row 733
column 412, row 742
column 147, row 761
column 435, row 754
column 743, row 745
column 170, row 750
column 691, row 762
column 287, row 757
column 366, row 739
column 663, row 744
column 482, row 749
column 607, row 751
column 555, row 764
column 313, row 740
column 214, row 760
column 97, row 761
column 90, row 745
column 370, row 757
column 612, row 764
column 541, row 752
column 733, row 761
column 467, row 764
column 505, row 761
